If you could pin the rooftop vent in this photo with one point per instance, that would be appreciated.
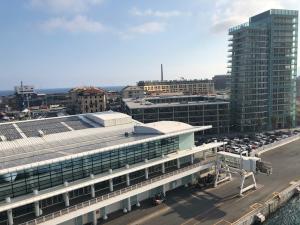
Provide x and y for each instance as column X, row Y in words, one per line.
column 3, row 138
column 41, row 133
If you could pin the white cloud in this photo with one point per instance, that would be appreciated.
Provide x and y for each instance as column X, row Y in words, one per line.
column 228, row 13
column 145, row 28
column 148, row 28
column 156, row 13
column 62, row 6
column 75, row 25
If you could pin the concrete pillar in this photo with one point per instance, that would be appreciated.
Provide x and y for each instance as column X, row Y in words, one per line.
column 93, row 192
column 128, row 204
column 146, row 170
column 66, row 199
column 127, row 179
column 192, row 158
column 178, row 163
column 146, row 173
column 164, row 189
column 104, row 213
column 10, row 218
column 163, row 168
column 138, row 204
column 94, row 218
column 66, row 195
column 111, row 185
column 37, row 210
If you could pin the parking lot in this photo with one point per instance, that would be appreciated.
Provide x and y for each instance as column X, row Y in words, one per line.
column 249, row 142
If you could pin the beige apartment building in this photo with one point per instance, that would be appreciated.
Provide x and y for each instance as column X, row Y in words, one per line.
column 88, row 99
column 188, row 87
column 132, row 92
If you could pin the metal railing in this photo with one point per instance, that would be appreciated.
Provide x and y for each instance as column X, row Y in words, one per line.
column 107, row 196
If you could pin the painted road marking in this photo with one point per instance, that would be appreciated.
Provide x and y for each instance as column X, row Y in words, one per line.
column 256, row 205
column 222, row 222
column 259, row 186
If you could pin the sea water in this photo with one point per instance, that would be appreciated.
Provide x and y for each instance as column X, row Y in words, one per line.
column 289, row 214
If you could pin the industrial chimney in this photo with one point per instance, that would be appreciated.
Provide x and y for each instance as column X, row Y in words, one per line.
column 161, row 72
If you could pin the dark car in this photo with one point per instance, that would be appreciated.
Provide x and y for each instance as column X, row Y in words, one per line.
column 158, row 199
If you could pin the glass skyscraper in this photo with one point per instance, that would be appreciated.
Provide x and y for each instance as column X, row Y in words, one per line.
column 263, row 67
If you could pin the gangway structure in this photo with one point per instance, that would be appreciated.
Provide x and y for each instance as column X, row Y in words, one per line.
column 229, row 163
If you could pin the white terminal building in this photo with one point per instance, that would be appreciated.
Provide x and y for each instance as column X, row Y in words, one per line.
column 79, row 169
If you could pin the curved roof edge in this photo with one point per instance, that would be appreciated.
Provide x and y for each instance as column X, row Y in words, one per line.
column 161, row 127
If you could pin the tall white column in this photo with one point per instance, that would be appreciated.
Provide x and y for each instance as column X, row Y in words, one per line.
column 66, row 195
column 163, row 168
column 146, row 170
column 192, row 158
column 178, row 163
column 111, row 185
column 93, row 192
column 138, row 204
column 146, row 173
column 127, row 179
column 104, row 213
column 128, row 204
column 37, row 210
column 66, row 199
column 164, row 190
column 94, row 218
column 10, row 217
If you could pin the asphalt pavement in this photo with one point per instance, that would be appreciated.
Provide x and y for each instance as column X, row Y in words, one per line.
column 221, row 205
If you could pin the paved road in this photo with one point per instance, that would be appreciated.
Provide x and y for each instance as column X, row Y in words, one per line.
column 221, row 205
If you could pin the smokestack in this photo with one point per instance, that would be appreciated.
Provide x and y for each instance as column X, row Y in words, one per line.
column 161, row 72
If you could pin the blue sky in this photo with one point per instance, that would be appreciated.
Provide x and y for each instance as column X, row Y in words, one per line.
column 66, row 43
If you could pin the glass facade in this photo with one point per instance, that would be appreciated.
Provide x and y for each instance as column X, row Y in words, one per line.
column 216, row 115
column 194, row 110
column 25, row 181
column 263, row 62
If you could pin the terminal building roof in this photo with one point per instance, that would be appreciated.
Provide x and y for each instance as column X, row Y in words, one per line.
column 178, row 101
column 45, row 141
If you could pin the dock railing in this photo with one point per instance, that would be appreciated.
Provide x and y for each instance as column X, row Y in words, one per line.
column 107, row 196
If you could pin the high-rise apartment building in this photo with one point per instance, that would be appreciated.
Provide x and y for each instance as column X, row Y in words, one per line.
column 263, row 71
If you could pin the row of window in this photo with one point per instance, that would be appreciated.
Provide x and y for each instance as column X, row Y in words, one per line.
column 43, row 177
column 101, row 188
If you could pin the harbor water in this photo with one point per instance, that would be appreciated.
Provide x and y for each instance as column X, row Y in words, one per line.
column 289, row 214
